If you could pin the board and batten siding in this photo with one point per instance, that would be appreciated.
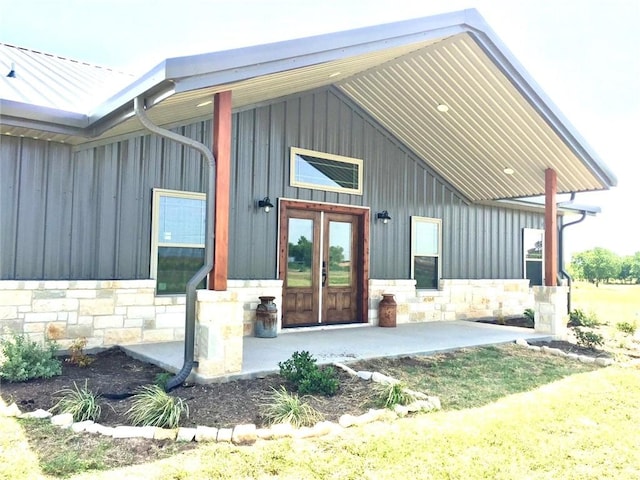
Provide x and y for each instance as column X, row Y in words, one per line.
column 85, row 213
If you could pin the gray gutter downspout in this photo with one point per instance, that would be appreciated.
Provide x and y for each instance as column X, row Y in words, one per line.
column 190, row 316
column 563, row 272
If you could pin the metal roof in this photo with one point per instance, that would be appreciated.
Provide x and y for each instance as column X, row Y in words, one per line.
column 399, row 73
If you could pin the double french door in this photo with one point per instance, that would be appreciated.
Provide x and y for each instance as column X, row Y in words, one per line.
column 322, row 264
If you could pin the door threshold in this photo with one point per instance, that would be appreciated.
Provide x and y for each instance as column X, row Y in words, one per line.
column 323, row 327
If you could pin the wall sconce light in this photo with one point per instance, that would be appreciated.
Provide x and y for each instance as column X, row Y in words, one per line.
column 266, row 204
column 384, row 216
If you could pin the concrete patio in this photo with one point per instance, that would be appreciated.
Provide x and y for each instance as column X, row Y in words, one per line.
column 346, row 344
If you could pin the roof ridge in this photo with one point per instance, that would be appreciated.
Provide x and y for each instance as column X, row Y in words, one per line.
column 67, row 59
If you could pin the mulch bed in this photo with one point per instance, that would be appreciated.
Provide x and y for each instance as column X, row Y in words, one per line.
column 216, row 405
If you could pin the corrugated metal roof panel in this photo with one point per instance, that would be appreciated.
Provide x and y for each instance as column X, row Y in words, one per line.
column 56, row 82
column 489, row 125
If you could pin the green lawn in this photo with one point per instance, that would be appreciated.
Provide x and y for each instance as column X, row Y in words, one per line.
column 611, row 303
column 580, row 426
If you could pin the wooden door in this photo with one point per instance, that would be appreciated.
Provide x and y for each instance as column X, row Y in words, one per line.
column 322, row 265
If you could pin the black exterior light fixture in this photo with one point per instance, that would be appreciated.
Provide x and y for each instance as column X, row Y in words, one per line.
column 384, row 216
column 12, row 72
column 266, row 204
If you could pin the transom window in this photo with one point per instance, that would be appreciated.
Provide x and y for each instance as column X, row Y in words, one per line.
column 178, row 236
column 324, row 171
column 426, row 241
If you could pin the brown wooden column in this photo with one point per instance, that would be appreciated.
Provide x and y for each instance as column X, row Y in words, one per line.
column 550, row 228
column 222, row 152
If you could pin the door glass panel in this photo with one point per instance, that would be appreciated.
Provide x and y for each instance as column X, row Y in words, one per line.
column 300, row 253
column 425, row 271
column 339, row 254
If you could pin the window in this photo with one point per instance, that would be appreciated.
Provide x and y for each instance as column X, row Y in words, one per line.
column 533, row 258
column 323, row 171
column 426, row 241
column 177, row 242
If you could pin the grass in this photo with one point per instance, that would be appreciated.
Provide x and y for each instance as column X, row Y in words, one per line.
column 611, row 303
column 475, row 386
column 152, row 406
column 284, row 407
column 581, row 427
column 82, row 403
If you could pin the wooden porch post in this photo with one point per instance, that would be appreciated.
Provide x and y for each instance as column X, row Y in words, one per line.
column 222, row 152
column 550, row 228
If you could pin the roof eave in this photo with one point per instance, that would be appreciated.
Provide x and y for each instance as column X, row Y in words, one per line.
column 529, row 88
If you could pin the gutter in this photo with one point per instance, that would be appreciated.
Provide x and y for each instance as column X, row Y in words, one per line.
column 583, row 211
column 190, row 314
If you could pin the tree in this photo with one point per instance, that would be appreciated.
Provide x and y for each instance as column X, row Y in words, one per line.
column 302, row 252
column 336, row 255
column 597, row 265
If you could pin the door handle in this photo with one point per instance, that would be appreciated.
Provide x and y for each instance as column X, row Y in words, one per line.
column 324, row 273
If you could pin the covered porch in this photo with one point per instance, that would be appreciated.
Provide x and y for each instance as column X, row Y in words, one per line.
column 260, row 356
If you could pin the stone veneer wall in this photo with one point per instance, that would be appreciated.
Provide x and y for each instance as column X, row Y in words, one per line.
column 551, row 311
column 105, row 312
column 455, row 300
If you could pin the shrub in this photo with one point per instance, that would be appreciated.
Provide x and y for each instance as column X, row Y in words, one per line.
column 577, row 318
column 162, row 378
column 529, row 313
column 80, row 402
column 627, row 327
column 25, row 359
column 154, row 407
column 303, row 373
column 77, row 355
column 288, row 408
column 588, row 338
column 392, row 394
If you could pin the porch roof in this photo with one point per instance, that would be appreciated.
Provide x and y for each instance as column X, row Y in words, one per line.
column 497, row 120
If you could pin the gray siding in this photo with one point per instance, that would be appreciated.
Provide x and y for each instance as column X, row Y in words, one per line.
column 86, row 214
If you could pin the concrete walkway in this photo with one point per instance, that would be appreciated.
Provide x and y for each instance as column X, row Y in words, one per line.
column 261, row 355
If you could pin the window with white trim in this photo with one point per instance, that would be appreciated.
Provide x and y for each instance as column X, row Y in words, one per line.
column 533, row 255
column 426, row 241
column 324, row 171
column 177, row 241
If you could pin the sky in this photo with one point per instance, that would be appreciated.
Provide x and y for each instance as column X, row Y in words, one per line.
column 584, row 54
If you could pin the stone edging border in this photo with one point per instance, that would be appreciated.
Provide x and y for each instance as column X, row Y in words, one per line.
column 244, row 434
column 602, row 361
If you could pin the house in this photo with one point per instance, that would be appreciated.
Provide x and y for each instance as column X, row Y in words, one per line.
column 322, row 171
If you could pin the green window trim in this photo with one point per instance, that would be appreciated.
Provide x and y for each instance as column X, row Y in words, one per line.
column 324, row 171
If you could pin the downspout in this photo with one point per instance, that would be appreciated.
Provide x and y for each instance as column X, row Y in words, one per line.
column 563, row 272
column 190, row 314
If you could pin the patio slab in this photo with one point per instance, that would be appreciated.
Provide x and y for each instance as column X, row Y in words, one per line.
column 346, row 344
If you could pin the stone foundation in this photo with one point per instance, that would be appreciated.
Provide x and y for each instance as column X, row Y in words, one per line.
column 105, row 312
column 455, row 300
column 551, row 311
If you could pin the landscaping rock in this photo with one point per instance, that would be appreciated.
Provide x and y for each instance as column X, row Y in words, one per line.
column 107, row 431
column 40, row 413
column 165, row 434
column 522, row 342
column 586, row 359
column 81, row 426
column 325, row 428
column 346, row 368
column 380, row 378
column 186, row 434
column 264, row 433
column 9, row 411
column 64, row 420
column 365, row 375
column 93, row 428
column 281, row 430
column 244, row 434
column 573, row 356
column 134, row 432
column 534, row 348
column 603, row 361
column 206, row 434
column 224, row 435
column 401, row 410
